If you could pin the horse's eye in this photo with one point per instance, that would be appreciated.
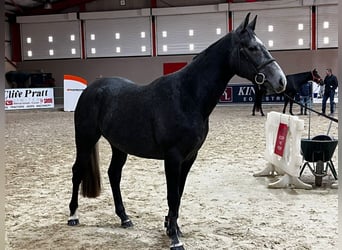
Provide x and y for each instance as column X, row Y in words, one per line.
column 253, row 48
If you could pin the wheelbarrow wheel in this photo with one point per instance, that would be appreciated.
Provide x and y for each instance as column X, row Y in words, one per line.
column 319, row 173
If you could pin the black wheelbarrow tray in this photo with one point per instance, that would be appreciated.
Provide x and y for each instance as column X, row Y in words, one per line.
column 317, row 153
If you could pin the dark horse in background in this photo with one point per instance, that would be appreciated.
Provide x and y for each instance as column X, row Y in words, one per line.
column 18, row 79
column 294, row 83
column 166, row 119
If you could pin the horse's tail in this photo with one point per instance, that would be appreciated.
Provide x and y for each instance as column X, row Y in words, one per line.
column 91, row 181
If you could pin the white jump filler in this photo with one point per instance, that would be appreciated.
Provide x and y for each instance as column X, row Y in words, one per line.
column 283, row 137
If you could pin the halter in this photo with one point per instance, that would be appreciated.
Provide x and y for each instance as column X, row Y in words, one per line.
column 314, row 78
column 259, row 77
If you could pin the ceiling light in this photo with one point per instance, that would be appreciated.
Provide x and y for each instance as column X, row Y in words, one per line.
column 191, row 32
column 218, row 31
column 300, row 41
column 191, row 46
column 326, row 40
column 270, row 28
column 270, row 43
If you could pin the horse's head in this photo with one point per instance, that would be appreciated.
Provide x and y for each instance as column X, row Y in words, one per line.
column 255, row 62
column 316, row 77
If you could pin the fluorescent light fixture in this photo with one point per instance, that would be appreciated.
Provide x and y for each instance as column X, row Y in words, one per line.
column 73, row 51
column 191, row 46
column 270, row 43
column 72, row 37
column 51, row 52
column 142, row 34
column 191, row 32
column 92, row 36
column 218, row 31
column 164, row 33
column 28, row 40
column 117, row 49
column 325, row 25
column 117, row 36
column 300, row 41
column 143, row 48
column 326, row 40
column 29, row 53
column 50, row 39
column 270, row 28
column 300, row 26
column 93, row 50
column 164, row 48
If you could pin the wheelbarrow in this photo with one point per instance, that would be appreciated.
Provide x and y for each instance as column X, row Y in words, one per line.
column 317, row 153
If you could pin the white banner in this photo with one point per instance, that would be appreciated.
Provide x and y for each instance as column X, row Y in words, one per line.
column 73, row 88
column 31, row 98
column 317, row 93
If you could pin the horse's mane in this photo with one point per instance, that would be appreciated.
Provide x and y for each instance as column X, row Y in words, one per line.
column 213, row 45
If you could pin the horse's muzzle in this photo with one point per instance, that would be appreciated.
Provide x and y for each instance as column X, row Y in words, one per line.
column 282, row 85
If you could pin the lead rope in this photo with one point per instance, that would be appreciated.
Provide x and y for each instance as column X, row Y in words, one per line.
column 321, row 114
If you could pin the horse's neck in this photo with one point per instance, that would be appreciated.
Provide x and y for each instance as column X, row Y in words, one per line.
column 207, row 76
column 298, row 80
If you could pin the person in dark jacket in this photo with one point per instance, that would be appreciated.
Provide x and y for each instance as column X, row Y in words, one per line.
column 305, row 94
column 330, row 85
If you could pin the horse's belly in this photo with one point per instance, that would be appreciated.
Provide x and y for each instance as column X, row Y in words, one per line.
column 141, row 145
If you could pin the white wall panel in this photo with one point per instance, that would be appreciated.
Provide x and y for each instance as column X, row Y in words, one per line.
column 327, row 26
column 50, row 40
column 281, row 29
column 189, row 34
column 118, row 37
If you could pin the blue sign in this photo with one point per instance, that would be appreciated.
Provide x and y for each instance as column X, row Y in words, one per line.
column 245, row 93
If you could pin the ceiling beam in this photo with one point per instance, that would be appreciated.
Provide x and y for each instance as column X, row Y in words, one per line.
column 57, row 7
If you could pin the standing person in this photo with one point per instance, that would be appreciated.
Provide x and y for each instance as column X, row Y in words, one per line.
column 330, row 85
column 305, row 94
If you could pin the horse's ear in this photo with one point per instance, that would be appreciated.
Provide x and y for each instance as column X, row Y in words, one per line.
column 253, row 23
column 244, row 24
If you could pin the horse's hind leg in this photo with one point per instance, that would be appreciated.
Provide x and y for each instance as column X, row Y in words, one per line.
column 114, row 173
column 86, row 156
column 76, row 181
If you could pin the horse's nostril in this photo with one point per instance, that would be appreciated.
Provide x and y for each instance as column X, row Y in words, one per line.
column 282, row 82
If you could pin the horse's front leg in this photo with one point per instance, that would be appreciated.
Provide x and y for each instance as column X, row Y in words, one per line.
column 291, row 105
column 285, row 105
column 173, row 182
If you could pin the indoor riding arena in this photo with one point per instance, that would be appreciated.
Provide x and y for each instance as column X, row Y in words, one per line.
column 57, row 43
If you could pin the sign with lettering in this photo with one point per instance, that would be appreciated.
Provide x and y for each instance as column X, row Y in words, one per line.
column 73, row 88
column 245, row 93
column 29, row 98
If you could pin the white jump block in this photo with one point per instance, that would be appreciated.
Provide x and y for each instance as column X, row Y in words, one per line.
column 284, row 158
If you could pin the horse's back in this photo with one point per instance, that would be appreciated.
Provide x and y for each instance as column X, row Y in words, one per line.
column 122, row 112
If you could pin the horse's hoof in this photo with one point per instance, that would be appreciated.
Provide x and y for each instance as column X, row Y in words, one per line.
column 127, row 224
column 178, row 246
column 73, row 222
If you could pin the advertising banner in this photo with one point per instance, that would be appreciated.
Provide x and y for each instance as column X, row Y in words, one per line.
column 29, row 98
column 245, row 93
column 73, row 88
